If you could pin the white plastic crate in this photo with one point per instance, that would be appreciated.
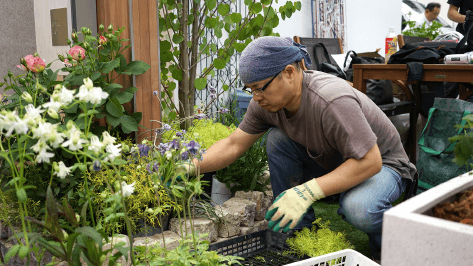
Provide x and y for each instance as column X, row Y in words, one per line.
column 346, row 257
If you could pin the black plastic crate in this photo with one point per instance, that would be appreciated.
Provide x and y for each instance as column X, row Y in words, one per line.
column 264, row 247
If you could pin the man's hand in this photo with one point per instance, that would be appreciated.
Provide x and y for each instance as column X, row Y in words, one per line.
column 291, row 205
column 468, row 20
column 187, row 167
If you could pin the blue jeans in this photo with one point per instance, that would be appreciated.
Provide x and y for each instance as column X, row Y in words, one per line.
column 362, row 206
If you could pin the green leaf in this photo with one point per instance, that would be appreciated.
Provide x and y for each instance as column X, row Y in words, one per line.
column 236, row 17
column 113, row 88
column 113, row 120
column 11, row 253
column 210, row 22
column 23, row 252
column 256, row 8
column 266, row 2
column 124, row 97
column 177, row 38
column 219, row 63
column 109, row 66
column 239, row 46
column 223, row 9
column 95, row 76
column 211, row 4
column 21, row 195
column 298, row 5
column 131, row 89
column 200, row 83
column 137, row 68
column 137, row 116
column 165, row 45
column 123, row 64
column 90, row 232
column 128, row 124
column 114, row 107
column 225, row 87
column 177, row 74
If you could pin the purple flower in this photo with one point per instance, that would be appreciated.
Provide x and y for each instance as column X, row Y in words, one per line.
column 181, row 133
column 224, row 111
column 144, row 149
column 212, row 90
column 174, row 144
column 200, row 116
column 166, row 127
column 148, row 168
column 185, row 156
column 155, row 167
column 155, row 93
column 152, row 167
column 97, row 166
column 213, row 96
column 193, row 147
column 163, row 147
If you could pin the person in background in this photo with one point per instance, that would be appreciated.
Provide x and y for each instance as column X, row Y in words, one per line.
column 432, row 10
column 461, row 12
column 325, row 138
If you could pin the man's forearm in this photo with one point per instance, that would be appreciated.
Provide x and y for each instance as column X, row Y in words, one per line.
column 218, row 156
column 454, row 15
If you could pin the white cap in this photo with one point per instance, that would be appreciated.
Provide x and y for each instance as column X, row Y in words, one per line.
column 391, row 28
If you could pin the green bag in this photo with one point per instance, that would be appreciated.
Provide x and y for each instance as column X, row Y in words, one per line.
column 435, row 164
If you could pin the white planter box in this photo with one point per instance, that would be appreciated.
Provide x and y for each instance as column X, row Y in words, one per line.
column 412, row 236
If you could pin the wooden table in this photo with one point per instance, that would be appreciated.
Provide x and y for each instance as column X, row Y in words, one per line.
column 438, row 73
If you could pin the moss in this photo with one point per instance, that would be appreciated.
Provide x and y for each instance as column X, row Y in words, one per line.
column 315, row 242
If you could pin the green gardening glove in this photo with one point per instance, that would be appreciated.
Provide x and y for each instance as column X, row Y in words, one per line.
column 291, row 205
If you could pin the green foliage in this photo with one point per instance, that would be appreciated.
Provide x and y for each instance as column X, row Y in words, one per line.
column 315, row 242
column 246, row 173
column 432, row 32
column 464, row 147
column 143, row 204
column 187, row 22
column 184, row 254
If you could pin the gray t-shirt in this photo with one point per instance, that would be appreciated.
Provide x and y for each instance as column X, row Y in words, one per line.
column 335, row 122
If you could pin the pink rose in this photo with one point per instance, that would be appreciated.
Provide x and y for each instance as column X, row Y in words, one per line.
column 76, row 51
column 35, row 64
column 102, row 40
column 66, row 63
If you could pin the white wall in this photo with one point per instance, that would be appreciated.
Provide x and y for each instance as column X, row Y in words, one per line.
column 44, row 46
column 300, row 23
column 368, row 23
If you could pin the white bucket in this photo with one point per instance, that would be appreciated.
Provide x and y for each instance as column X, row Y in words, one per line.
column 220, row 193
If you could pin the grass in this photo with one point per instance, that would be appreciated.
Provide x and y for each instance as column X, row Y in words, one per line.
column 328, row 212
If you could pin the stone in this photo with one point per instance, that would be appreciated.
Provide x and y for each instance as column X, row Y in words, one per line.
column 201, row 226
column 228, row 215
column 122, row 260
column 245, row 208
column 171, row 239
column 248, row 230
column 228, row 229
column 256, row 197
column 261, row 225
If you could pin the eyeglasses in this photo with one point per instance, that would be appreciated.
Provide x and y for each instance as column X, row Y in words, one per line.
column 259, row 91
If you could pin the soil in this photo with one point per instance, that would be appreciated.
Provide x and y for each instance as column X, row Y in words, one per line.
column 461, row 210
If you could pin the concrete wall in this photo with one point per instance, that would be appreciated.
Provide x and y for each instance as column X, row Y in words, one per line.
column 45, row 49
column 17, row 27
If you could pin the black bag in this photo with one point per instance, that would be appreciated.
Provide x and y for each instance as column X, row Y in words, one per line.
column 327, row 67
column 379, row 91
column 466, row 44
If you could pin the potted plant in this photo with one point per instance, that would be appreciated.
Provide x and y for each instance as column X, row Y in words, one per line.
column 413, row 231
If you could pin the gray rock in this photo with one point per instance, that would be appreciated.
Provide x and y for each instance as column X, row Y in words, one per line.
column 245, row 208
column 171, row 240
column 201, row 226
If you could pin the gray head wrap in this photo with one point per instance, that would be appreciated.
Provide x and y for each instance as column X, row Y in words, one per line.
column 267, row 56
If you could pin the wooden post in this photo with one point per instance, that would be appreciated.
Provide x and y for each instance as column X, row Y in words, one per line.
column 144, row 34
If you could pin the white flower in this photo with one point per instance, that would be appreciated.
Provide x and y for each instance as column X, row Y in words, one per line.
column 63, row 171
column 107, row 139
column 114, row 152
column 42, row 131
column 20, row 126
column 66, row 96
column 168, row 155
column 74, row 142
column 96, row 94
column 27, row 97
column 127, row 190
column 83, row 94
column 39, row 146
column 44, row 156
column 53, row 105
column 95, row 144
column 56, row 138
column 88, row 83
column 33, row 112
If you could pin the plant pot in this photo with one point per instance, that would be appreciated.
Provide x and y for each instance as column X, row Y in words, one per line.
column 411, row 234
column 220, row 192
column 208, row 177
column 150, row 230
